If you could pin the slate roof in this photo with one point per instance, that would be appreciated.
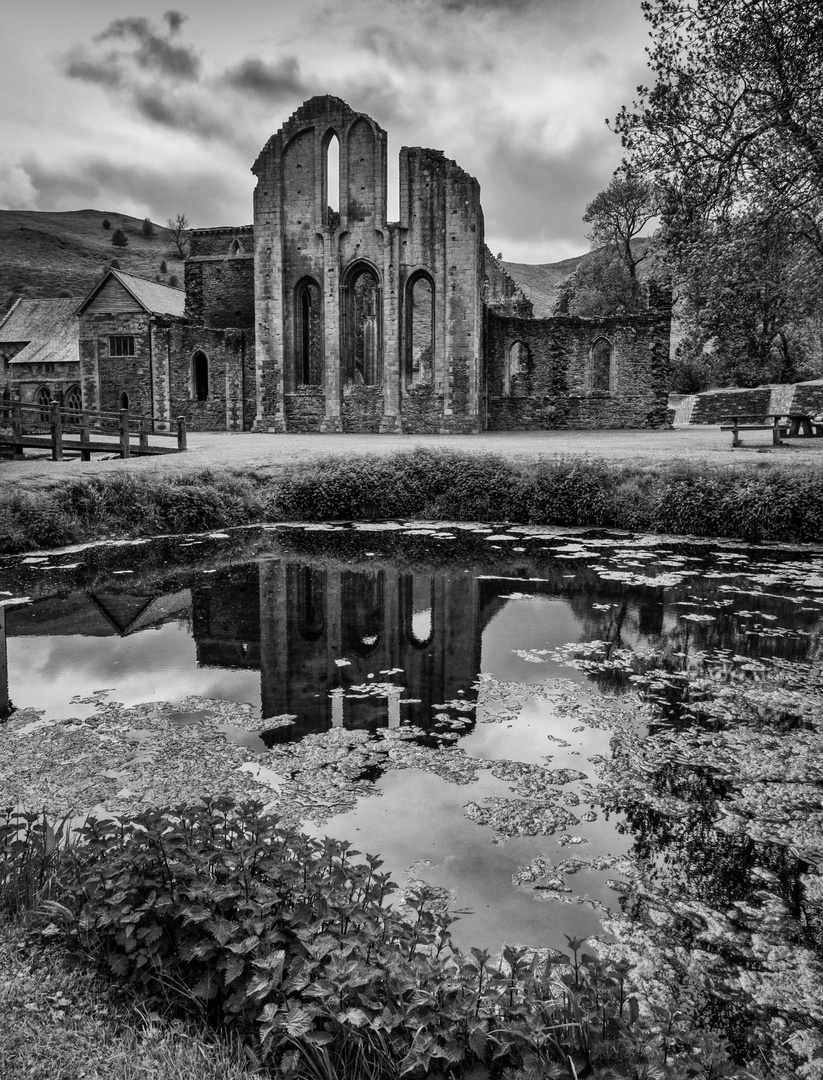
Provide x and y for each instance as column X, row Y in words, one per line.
column 151, row 295
column 49, row 326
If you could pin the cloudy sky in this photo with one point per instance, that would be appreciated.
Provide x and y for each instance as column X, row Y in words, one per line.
column 137, row 107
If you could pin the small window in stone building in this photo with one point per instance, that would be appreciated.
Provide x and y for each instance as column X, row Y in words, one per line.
column 601, row 366
column 121, row 345
column 43, row 401
column 517, row 363
column 199, row 376
column 419, row 331
column 124, row 401
column 73, row 403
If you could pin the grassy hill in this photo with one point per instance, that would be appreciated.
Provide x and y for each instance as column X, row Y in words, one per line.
column 63, row 254
column 539, row 280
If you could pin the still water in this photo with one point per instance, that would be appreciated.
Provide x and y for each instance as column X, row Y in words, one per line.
column 561, row 688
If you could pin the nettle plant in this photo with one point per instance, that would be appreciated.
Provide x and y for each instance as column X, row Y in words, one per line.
column 292, row 943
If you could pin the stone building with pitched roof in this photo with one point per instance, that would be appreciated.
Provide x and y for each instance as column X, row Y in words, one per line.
column 39, row 351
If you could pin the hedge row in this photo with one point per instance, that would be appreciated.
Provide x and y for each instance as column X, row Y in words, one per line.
column 751, row 503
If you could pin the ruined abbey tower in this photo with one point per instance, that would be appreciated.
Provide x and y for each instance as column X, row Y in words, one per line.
column 336, row 320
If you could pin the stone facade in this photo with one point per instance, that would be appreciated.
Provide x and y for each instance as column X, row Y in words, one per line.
column 322, row 316
column 139, row 351
column 365, row 325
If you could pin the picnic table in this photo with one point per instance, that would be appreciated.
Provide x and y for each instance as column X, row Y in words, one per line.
column 792, row 425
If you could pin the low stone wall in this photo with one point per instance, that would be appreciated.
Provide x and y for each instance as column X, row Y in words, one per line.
column 710, row 407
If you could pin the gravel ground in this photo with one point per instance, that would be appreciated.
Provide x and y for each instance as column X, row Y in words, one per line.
column 264, row 452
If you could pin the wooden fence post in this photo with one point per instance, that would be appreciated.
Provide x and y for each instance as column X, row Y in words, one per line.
column 17, row 430
column 85, row 436
column 144, row 433
column 56, row 432
column 181, row 433
column 125, row 449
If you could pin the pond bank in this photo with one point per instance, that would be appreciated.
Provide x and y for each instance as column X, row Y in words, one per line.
column 755, row 499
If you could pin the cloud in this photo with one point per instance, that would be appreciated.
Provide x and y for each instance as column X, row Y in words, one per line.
column 154, row 52
column 17, row 191
column 174, row 20
column 208, row 193
column 272, row 80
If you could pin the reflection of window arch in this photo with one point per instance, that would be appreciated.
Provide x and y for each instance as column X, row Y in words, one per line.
column 200, row 376
column 517, row 363
column 124, row 401
column 417, row 609
column 362, row 323
column 419, row 330
column 602, row 356
column 331, row 179
column 73, row 402
column 308, row 333
column 43, row 400
column 362, row 611
column 310, row 586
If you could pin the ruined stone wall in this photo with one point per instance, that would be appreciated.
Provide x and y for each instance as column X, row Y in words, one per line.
column 710, row 407
column 219, row 277
column 24, row 380
column 230, row 402
column 441, row 236
column 556, row 386
column 501, row 292
column 300, row 244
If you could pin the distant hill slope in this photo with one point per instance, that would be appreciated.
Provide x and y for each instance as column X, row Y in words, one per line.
column 538, row 281
column 53, row 254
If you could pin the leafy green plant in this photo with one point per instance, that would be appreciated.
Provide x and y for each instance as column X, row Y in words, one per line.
column 297, row 946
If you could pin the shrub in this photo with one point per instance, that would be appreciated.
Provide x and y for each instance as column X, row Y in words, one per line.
column 163, row 268
column 570, row 492
column 291, row 942
column 174, row 280
column 106, row 223
column 146, row 227
column 119, row 238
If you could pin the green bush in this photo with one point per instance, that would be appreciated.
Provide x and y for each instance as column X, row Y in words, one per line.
column 292, row 944
column 119, row 238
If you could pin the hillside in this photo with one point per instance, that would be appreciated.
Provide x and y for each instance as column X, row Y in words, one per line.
column 63, row 254
column 539, row 280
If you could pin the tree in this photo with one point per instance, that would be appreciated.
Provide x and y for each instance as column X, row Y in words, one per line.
column 599, row 286
column 178, row 227
column 617, row 217
column 749, row 305
column 106, row 223
column 146, row 227
column 119, row 238
column 733, row 118
column 163, row 267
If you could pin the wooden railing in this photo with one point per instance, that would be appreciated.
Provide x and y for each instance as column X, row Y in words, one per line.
column 70, row 430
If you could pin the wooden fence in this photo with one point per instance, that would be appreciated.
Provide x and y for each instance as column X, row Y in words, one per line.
column 74, row 431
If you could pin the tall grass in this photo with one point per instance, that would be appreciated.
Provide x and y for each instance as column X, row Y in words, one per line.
column 750, row 502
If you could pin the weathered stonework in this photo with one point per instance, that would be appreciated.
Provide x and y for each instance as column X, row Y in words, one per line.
column 330, row 318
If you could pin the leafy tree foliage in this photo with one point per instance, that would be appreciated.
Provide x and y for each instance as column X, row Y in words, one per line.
column 734, row 114
column 731, row 134
column 106, row 223
column 618, row 215
column 146, row 227
column 119, row 238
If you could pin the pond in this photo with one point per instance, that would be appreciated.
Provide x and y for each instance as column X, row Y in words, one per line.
column 566, row 733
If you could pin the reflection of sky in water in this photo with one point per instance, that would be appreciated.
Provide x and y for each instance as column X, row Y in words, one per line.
column 416, row 819
column 157, row 664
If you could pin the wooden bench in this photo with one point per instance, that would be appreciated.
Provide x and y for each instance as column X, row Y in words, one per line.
column 736, row 424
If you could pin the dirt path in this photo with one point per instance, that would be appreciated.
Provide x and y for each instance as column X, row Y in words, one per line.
column 266, row 453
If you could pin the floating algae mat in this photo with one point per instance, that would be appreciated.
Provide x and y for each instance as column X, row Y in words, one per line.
column 564, row 732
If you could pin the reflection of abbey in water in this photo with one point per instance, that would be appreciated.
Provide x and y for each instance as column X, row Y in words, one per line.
column 297, row 620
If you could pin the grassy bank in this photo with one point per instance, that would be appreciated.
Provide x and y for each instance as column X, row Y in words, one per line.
column 752, row 501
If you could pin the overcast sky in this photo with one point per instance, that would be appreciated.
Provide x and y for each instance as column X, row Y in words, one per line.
column 141, row 108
